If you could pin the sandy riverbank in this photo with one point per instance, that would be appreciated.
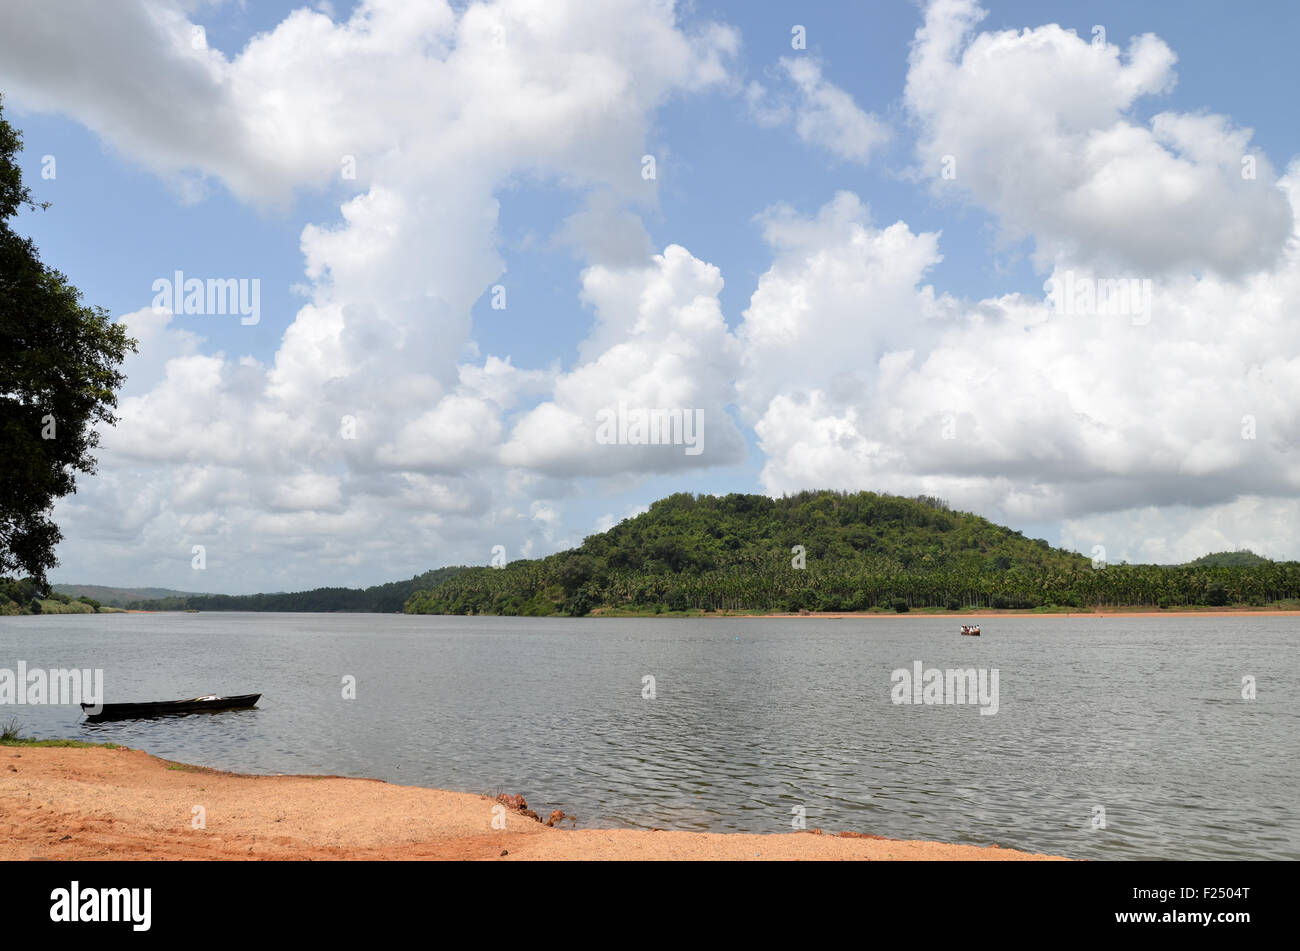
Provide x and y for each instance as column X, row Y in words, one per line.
column 62, row 803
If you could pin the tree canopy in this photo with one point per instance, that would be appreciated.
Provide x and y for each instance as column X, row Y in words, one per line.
column 382, row 598
column 1230, row 559
column 59, row 375
column 831, row 551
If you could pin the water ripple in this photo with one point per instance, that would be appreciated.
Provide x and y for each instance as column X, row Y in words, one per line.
column 1140, row 718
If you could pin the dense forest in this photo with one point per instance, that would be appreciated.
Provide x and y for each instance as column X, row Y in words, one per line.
column 29, row 596
column 117, row 597
column 386, row 598
column 815, row 551
column 833, row 551
column 1229, row 559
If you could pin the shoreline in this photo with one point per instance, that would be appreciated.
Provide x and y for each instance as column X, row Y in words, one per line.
column 1140, row 611
column 64, row 803
column 955, row 615
column 1217, row 613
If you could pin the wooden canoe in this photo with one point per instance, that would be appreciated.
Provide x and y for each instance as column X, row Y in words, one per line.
column 129, row 711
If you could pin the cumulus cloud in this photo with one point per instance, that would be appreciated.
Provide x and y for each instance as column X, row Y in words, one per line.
column 1179, row 533
column 1038, row 126
column 857, row 374
column 840, row 293
column 823, row 114
column 660, row 343
column 369, row 440
column 365, row 404
column 606, row 232
column 1007, row 405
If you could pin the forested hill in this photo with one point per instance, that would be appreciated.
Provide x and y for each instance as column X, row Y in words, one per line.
column 118, row 597
column 686, row 533
column 815, row 551
column 382, row 598
column 1230, row 559
column 859, row 552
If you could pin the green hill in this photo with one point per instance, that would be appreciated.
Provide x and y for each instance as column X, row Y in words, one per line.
column 27, row 596
column 860, row 552
column 815, row 551
column 118, row 597
column 1230, row 559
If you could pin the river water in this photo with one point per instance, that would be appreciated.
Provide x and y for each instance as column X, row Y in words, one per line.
column 1113, row 738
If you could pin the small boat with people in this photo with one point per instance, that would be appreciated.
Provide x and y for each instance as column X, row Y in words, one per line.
column 131, row 711
column 970, row 630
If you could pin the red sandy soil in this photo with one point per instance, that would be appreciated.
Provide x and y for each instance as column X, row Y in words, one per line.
column 96, row 803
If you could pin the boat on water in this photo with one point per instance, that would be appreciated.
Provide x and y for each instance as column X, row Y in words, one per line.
column 970, row 630
column 131, row 711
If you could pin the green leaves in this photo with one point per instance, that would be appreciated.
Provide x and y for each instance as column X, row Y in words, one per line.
column 864, row 551
column 58, row 379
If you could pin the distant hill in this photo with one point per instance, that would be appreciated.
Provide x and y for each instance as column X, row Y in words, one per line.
column 384, row 598
column 1230, row 559
column 831, row 551
column 815, row 551
column 739, row 552
column 118, row 597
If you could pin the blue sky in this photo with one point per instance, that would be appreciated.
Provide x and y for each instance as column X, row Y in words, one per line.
column 136, row 200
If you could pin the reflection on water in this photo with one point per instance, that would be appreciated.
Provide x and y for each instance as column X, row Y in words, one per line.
column 751, row 718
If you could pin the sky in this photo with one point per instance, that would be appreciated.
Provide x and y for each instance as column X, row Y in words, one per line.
column 1039, row 259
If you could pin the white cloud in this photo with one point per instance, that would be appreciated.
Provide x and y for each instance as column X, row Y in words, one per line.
column 605, row 232
column 1178, row 534
column 459, row 433
column 660, row 342
column 839, row 294
column 857, row 375
column 823, row 114
column 439, row 109
column 1006, row 406
column 852, row 370
column 1038, row 126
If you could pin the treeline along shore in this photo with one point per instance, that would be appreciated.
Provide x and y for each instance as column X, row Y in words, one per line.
column 822, row 552
column 839, row 552
column 28, row 597
column 386, row 598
